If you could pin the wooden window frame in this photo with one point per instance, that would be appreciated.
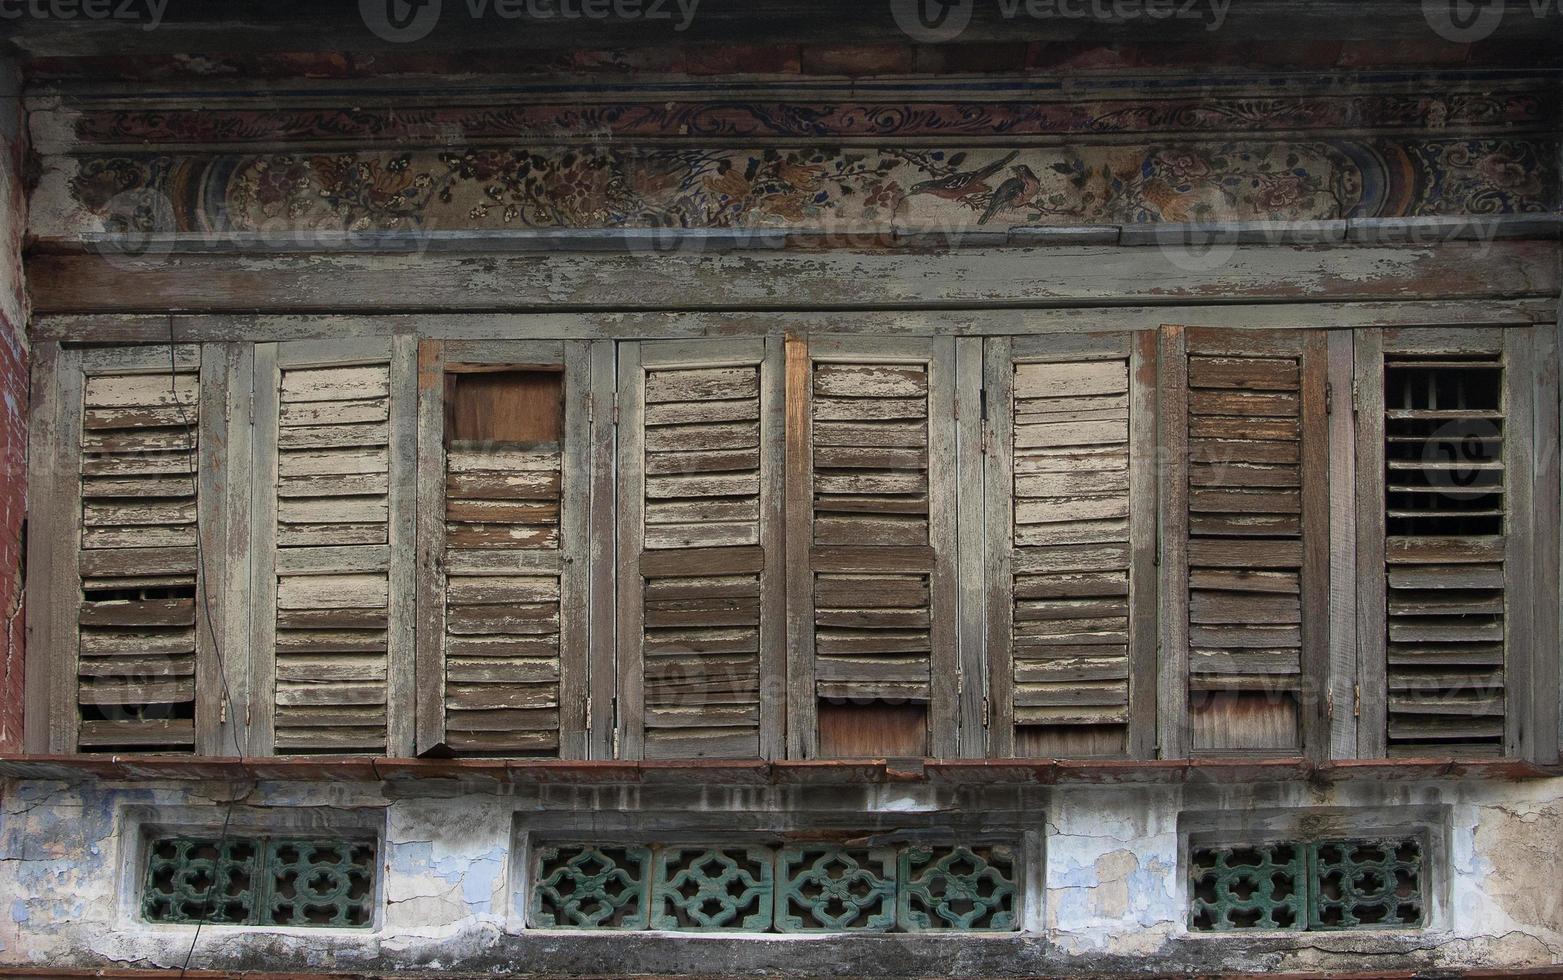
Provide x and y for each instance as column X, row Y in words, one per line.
column 54, row 534
column 571, row 560
column 1530, row 395
column 1346, row 668
column 635, row 359
column 1003, row 354
column 1312, row 702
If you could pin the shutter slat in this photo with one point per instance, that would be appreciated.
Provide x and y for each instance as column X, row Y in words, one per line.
column 693, row 518
column 1254, row 516
column 332, row 642
column 1445, row 566
column 1069, row 603
column 136, row 641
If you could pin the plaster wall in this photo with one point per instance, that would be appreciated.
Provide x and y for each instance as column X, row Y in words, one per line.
column 1109, row 877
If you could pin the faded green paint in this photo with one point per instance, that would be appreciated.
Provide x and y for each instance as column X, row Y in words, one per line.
column 254, row 881
column 709, row 889
column 830, row 888
column 1256, row 886
column 959, row 888
column 580, row 886
column 1365, row 884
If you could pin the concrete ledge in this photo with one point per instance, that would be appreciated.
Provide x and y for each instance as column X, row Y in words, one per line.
column 738, row 772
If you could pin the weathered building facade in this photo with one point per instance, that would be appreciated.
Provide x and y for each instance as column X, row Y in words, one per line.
column 719, row 490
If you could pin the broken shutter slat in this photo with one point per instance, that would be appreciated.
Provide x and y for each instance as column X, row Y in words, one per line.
column 699, row 451
column 139, row 630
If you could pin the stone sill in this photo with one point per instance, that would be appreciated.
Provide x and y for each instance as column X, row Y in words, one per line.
column 738, row 772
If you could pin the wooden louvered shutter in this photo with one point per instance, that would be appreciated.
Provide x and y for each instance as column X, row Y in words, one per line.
column 130, row 463
column 872, row 663
column 1071, row 513
column 335, row 449
column 1451, row 425
column 700, row 616
column 1246, row 541
column 502, row 548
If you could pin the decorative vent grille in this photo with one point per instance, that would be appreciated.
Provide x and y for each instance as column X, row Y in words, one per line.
column 1444, row 493
column 799, row 887
column 333, row 484
column 1314, row 885
column 136, row 672
column 258, row 881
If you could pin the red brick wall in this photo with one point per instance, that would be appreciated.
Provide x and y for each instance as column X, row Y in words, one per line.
column 13, row 410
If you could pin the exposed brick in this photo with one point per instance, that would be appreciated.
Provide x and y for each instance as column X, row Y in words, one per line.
column 857, row 59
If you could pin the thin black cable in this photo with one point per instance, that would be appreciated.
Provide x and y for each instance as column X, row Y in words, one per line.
column 204, row 592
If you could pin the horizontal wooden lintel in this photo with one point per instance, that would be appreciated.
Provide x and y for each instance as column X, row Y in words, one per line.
column 559, row 281
column 969, row 772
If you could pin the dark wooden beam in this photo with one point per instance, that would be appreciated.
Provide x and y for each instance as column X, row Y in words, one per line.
column 232, row 26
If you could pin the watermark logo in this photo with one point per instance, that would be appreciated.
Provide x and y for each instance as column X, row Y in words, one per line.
column 1463, row 21
column 147, row 13
column 936, row 21
column 405, row 21
column 400, row 21
column 1462, row 458
column 932, row 21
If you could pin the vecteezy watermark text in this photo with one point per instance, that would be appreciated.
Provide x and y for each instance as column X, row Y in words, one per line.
column 1467, row 21
column 402, row 21
column 936, row 21
column 147, row 13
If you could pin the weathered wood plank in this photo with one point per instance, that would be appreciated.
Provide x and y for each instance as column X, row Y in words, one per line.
column 631, row 738
column 1143, row 488
column 971, row 536
column 1519, row 543
column 263, row 550
column 1065, row 274
column 574, row 691
column 802, row 725
column 773, row 541
column 1172, row 613
column 1371, row 601
column 1545, row 489
column 1316, row 495
column 944, row 662
column 430, row 537
column 1343, row 665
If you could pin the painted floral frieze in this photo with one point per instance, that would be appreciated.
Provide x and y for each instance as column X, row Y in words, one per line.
column 839, row 188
